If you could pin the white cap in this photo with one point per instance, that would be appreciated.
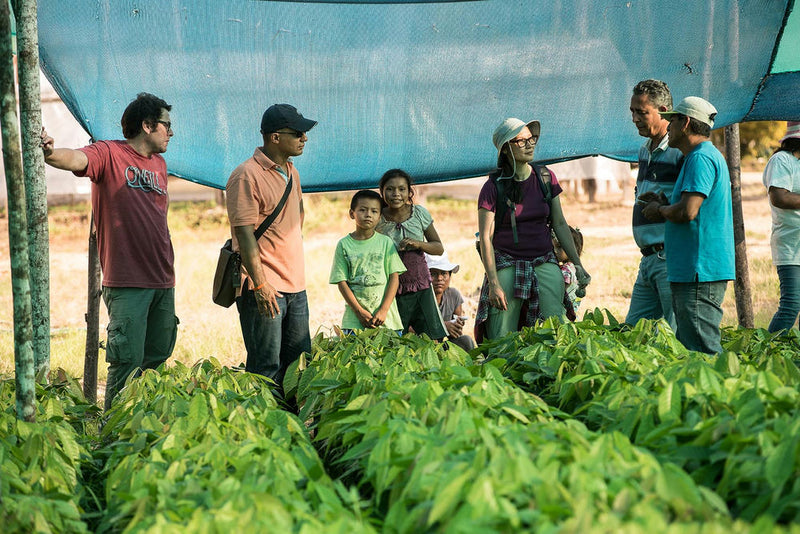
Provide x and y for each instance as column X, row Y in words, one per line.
column 509, row 129
column 694, row 107
column 441, row 263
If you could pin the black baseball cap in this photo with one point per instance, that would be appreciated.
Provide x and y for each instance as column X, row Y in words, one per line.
column 280, row 116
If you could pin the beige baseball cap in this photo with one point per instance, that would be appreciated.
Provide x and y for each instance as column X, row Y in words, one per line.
column 694, row 107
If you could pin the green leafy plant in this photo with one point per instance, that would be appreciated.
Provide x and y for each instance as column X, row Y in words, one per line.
column 440, row 442
column 41, row 481
column 206, row 448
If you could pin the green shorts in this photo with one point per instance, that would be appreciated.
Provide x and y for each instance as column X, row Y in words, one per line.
column 418, row 310
column 551, row 299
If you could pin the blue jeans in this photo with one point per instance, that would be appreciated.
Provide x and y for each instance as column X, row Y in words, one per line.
column 789, row 306
column 274, row 343
column 698, row 313
column 651, row 297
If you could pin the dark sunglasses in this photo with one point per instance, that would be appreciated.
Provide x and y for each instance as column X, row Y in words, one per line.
column 524, row 143
column 292, row 132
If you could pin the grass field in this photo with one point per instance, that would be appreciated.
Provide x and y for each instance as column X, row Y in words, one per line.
column 199, row 229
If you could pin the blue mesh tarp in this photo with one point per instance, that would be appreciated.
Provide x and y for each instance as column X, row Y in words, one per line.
column 417, row 85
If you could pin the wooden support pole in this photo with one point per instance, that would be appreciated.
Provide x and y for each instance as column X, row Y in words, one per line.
column 92, row 320
column 744, row 301
column 30, row 107
column 17, row 226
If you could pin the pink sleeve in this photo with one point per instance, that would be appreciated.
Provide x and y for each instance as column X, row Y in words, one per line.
column 98, row 155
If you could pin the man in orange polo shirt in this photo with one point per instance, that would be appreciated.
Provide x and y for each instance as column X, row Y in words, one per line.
column 273, row 308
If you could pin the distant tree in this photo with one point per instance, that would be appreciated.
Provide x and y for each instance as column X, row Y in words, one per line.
column 758, row 140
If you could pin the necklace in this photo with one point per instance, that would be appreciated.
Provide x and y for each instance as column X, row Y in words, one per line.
column 520, row 178
column 400, row 216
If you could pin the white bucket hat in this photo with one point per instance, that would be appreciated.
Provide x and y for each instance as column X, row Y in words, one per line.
column 509, row 129
column 792, row 131
column 441, row 263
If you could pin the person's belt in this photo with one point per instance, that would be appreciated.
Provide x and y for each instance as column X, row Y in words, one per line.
column 652, row 249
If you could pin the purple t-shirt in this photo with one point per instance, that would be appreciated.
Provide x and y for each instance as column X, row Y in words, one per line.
column 532, row 213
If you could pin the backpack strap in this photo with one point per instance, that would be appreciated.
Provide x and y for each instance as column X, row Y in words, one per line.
column 504, row 204
column 545, row 180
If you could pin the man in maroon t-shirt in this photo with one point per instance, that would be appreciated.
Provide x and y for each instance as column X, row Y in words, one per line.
column 129, row 201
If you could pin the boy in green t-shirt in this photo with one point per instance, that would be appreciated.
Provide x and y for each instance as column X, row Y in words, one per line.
column 366, row 267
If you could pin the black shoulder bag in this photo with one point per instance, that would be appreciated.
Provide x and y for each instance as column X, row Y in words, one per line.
column 227, row 277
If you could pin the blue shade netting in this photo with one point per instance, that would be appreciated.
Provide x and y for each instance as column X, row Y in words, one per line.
column 414, row 85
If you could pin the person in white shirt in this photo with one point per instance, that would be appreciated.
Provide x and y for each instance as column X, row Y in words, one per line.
column 782, row 180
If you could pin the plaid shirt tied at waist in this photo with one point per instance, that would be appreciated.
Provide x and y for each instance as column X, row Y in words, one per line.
column 526, row 285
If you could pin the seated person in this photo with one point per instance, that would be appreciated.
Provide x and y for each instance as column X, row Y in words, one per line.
column 449, row 299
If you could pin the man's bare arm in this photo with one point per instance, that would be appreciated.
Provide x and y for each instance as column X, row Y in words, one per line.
column 67, row 159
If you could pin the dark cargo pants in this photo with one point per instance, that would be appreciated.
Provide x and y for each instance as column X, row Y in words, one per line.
column 142, row 328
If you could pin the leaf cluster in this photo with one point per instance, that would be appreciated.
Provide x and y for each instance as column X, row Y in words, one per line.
column 442, row 442
column 205, row 449
column 41, row 479
column 593, row 426
column 730, row 422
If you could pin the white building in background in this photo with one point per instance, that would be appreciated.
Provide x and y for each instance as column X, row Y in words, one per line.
column 62, row 186
column 596, row 174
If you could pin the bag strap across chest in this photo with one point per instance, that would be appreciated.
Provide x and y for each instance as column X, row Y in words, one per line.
column 504, row 204
column 274, row 215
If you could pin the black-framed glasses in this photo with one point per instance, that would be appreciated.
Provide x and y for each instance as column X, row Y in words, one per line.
column 525, row 143
column 292, row 132
column 167, row 125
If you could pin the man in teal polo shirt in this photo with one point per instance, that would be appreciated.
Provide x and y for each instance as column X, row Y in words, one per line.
column 698, row 236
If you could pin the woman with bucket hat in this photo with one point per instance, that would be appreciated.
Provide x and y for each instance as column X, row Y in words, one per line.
column 517, row 208
column 782, row 180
